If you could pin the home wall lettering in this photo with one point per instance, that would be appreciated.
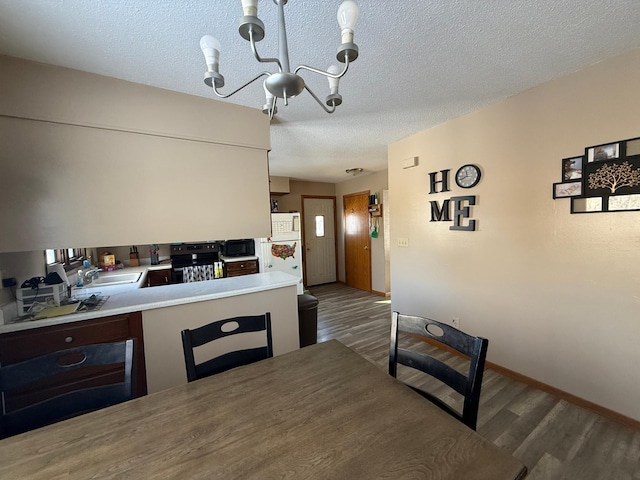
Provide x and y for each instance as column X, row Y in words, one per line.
column 605, row 179
column 467, row 176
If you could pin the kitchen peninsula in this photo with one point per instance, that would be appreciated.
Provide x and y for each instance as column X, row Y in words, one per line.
column 168, row 309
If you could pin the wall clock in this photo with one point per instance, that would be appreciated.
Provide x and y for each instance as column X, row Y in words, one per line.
column 468, row 176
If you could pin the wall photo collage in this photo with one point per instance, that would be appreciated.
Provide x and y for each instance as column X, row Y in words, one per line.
column 605, row 179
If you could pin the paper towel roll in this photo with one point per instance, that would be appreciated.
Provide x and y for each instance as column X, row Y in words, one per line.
column 59, row 269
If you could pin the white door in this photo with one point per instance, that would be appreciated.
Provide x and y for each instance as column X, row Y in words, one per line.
column 320, row 240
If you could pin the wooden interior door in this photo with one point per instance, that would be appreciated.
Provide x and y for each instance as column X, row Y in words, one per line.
column 357, row 248
column 319, row 239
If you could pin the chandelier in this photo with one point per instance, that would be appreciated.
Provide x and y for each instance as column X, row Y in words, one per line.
column 283, row 84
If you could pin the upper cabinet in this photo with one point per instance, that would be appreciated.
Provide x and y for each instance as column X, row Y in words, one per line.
column 91, row 160
column 279, row 185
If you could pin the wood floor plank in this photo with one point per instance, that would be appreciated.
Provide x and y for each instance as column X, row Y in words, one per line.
column 548, row 467
column 555, row 439
column 531, row 406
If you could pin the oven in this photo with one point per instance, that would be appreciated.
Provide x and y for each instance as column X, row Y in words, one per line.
column 201, row 255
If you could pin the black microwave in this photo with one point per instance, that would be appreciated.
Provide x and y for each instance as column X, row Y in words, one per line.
column 239, row 248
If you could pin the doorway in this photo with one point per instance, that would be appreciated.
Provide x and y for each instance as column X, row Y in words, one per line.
column 357, row 248
column 319, row 239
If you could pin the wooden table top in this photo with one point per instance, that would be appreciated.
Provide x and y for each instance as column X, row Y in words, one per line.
column 320, row 412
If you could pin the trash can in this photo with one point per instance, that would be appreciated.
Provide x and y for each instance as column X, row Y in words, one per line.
column 308, row 320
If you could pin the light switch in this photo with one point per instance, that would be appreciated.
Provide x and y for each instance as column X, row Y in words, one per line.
column 403, row 242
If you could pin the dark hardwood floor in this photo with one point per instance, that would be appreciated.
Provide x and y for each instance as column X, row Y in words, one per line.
column 555, row 439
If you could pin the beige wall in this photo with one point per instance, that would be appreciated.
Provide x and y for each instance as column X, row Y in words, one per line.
column 558, row 295
column 293, row 201
column 91, row 161
column 163, row 348
column 375, row 183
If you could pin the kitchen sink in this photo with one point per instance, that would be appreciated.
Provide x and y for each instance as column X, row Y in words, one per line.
column 115, row 279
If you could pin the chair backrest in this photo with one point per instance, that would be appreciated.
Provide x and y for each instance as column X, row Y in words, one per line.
column 220, row 329
column 64, row 384
column 475, row 348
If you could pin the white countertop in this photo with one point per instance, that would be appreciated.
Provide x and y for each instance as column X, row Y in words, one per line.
column 130, row 297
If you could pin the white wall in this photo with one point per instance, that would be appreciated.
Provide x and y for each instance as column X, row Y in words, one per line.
column 558, row 295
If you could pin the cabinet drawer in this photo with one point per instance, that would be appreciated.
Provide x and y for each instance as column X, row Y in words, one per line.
column 18, row 346
column 241, row 268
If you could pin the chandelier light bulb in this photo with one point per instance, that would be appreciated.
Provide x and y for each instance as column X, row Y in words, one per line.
column 347, row 19
column 269, row 107
column 250, row 7
column 211, row 49
column 334, row 83
column 268, row 95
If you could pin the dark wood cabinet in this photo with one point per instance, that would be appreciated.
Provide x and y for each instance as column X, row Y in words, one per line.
column 242, row 267
column 155, row 278
column 18, row 346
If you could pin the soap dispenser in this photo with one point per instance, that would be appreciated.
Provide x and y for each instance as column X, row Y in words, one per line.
column 80, row 279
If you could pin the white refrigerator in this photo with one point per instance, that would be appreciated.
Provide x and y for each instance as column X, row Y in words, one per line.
column 282, row 251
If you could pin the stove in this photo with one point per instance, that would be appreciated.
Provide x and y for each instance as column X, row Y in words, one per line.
column 193, row 255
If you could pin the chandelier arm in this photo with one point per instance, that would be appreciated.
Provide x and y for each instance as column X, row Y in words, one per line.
column 333, row 107
column 258, row 57
column 215, row 89
column 322, row 72
column 272, row 112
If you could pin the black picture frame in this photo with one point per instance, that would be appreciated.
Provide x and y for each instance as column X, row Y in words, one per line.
column 567, row 189
column 603, row 153
column 632, row 147
column 571, row 169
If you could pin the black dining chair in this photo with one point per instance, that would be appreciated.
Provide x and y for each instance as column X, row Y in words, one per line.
column 60, row 385
column 220, row 329
column 474, row 348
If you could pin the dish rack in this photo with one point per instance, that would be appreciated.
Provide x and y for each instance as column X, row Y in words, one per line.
column 47, row 295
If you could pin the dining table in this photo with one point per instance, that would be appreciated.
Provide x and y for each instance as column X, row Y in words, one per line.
column 320, row 412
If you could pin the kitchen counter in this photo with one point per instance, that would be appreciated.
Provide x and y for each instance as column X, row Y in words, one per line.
column 127, row 298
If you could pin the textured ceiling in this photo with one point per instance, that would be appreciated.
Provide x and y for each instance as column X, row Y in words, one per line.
column 422, row 62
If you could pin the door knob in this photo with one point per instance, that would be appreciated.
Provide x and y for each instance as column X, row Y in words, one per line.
column 366, row 247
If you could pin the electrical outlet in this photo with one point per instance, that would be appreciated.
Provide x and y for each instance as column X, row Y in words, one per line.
column 403, row 242
column 455, row 321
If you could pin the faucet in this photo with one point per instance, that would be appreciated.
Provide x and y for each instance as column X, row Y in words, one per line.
column 91, row 275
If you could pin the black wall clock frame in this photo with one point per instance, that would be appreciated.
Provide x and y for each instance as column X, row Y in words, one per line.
column 468, row 176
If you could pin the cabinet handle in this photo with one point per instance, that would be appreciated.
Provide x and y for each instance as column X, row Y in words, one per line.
column 242, row 265
column 68, row 339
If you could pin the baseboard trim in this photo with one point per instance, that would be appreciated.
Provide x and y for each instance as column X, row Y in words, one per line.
column 556, row 392
column 569, row 397
column 374, row 292
column 381, row 294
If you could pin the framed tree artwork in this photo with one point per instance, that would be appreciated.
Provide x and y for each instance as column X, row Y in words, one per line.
column 605, row 179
